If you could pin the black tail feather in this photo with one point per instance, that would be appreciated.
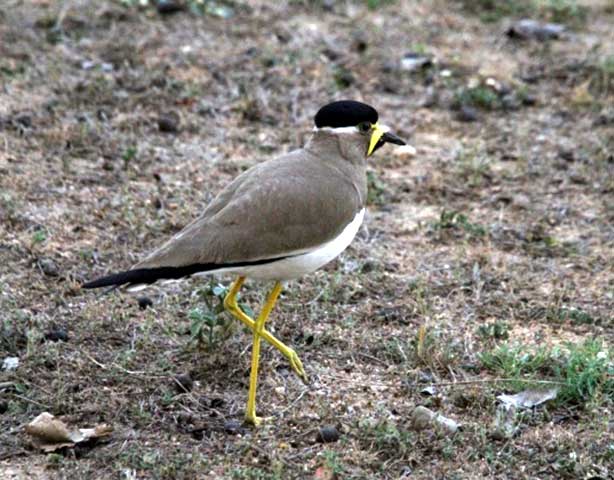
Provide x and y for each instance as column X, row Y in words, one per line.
column 150, row 275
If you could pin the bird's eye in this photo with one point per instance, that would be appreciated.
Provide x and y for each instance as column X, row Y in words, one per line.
column 364, row 127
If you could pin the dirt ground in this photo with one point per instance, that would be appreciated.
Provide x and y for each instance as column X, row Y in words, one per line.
column 118, row 124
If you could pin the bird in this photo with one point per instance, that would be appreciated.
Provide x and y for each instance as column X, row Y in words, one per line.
column 279, row 220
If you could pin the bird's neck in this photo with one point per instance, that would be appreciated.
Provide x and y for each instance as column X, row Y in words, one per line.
column 337, row 145
column 343, row 156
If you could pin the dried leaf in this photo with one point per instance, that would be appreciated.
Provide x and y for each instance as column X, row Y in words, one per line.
column 50, row 434
column 529, row 398
column 423, row 418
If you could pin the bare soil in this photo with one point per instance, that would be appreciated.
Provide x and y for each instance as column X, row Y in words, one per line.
column 503, row 221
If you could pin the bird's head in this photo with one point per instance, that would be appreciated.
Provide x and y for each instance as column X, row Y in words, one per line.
column 356, row 123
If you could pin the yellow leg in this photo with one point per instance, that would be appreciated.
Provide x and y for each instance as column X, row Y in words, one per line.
column 250, row 414
column 230, row 302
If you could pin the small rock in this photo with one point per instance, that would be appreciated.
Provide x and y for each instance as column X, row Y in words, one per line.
column 57, row 335
column 24, row 120
column 423, row 418
column 107, row 165
column 467, row 114
column 220, row 11
column 87, row 65
column 429, row 391
column 412, row 62
column 328, row 5
column 532, row 29
column 4, row 406
column 233, row 427
column 328, row 434
column 405, row 151
column 185, row 417
column 359, row 43
column 144, row 302
column 10, row 363
column 344, row 78
column 431, row 98
column 522, row 201
column 48, row 267
column 168, row 122
column 183, row 382
column 567, row 154
column 529, row 100
column 511, row 101
column 166, row 7
column 605, row 117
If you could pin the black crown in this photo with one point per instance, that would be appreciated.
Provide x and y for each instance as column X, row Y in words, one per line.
column 345, row 113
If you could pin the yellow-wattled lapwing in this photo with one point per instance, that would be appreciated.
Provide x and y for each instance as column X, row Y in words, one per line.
column 279, row 220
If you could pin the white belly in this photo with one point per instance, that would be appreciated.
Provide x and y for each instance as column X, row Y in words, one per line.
column 299, row 265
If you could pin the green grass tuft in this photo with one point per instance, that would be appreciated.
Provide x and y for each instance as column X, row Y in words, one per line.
column 584, row 371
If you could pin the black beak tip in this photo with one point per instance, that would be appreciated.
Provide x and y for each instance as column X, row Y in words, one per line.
column 392, row 138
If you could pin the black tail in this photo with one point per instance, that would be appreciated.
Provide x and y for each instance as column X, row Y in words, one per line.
column 148, row 275
column 140, row 276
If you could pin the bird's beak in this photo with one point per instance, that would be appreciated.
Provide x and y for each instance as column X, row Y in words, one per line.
column 381, row 134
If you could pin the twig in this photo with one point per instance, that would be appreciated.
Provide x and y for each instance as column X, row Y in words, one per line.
column 485, row 380
column 6, row 455
column 349, row 380
column 93, row 360
column 125, row 370
column 375, row 359
column 296, row 400
column 21, row 397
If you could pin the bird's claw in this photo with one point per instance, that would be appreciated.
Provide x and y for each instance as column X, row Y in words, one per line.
column 297, row 366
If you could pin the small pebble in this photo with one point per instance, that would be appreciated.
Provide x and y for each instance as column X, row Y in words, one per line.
column 405, row 151
column 165, row 7
column 414, row 61
column 144, row 302
column 467, row 114
column 183, row 382
column 233, row 427
column 423, row 418
column 10, row 363
column 57, row 335
column 168, row 122
column 532, row 29
column 327, row 434
column 521, row 201
column 429, row 391
column 49, row 267
column 23, row 119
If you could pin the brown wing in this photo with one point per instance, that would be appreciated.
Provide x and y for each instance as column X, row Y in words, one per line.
column 290, row 204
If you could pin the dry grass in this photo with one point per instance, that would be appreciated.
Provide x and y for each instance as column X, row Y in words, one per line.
column 499, row 233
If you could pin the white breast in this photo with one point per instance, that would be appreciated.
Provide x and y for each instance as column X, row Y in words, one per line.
column 299, row 265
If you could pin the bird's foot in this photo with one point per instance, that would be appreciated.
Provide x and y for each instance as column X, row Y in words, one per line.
column 252, row 419
column 297, row 365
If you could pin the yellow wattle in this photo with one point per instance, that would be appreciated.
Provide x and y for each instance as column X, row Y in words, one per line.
column 375, row 137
